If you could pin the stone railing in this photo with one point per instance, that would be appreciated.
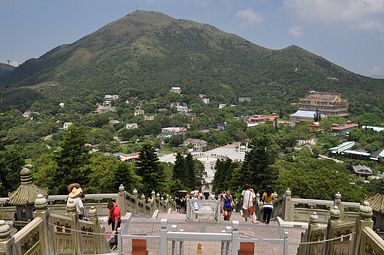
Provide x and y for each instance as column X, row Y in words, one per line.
column 50, row 234
column 299, row 209
column 128, row 202
column 142, row 206
column 203, row 208
column 340, row 237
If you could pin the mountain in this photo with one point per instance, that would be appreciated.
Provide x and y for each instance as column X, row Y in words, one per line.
column 145, row 53
column 5, row 69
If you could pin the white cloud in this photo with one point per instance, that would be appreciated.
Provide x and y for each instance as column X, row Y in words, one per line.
column 377, row 72
column 249, row 16
column 296, row 32
column 364, row 15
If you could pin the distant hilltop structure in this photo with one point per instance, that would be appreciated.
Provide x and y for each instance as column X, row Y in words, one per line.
column 325, row 103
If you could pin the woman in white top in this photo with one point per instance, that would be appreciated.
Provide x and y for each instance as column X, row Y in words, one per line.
column 248, row 197
column 75, row 195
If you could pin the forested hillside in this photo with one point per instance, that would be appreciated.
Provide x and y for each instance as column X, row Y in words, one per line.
column 145, row 53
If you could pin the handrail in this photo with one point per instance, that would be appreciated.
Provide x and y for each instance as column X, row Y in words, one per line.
column 52, row 198
column 27, row 229
column 328, row 203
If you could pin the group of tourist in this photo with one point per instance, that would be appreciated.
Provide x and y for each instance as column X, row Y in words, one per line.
column 248, row 205
column 265, row 204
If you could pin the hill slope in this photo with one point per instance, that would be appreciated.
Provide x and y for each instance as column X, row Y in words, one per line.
column 5, row 70
column 147, row 52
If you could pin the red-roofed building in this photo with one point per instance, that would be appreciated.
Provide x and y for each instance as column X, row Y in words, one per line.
column 343, row 129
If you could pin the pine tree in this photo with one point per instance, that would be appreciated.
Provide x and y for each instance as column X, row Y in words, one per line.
column 190, row 168
column 10, row 166
column 149, row 169
column 70, row 160
column 223, row 175
column 255, row 169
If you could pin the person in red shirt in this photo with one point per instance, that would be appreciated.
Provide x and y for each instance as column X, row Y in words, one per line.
column 114, row 218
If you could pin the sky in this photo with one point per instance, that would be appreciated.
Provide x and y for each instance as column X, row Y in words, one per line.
column 349, row 33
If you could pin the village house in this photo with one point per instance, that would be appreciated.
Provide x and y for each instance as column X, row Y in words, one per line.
column 196, row 144
column 244, row 99
column 105, row 107
column 182, row 109
column 29, row 114
column 343, row 130
column 131, row 126
column 61, row 105
column 138, row 111
column 221, row 106
column 149, row 117
column 113, row 122
column 111, row 97
column 66, row 125
column 362, row 171
column 205, row 100
column 260, row 119
column 168, row 132
column 176, row 90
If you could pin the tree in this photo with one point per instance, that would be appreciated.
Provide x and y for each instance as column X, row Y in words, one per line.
column 149, row 169
column 191, row 170
column 70, row 160
column 223, row 175
column 10, row 166
column 179, row 171
column 255, row 169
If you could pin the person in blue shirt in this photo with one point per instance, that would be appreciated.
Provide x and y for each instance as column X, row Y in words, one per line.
column 228, row 204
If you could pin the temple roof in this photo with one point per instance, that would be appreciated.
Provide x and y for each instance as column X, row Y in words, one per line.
column 27, row 192
column 377, row 203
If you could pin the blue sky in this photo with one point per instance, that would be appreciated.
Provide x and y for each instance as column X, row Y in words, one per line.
column 349, row 33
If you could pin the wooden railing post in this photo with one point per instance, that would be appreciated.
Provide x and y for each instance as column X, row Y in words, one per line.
column 46, row 230
column 75, row 228
column 364, row 220
column 289, row 207
column 121, row 200
column 97, row 237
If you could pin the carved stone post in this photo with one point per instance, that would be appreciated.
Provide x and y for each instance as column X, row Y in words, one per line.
column 333, row 221
column 162, row 205
column 7, row 245
column 45, row 231
column 313, row 224
column 288, row 206
column 157, row 201
column 121, row 200
column 364, row 220
column 97, row 237
column 75, row 226
column 136, row 197
column 339, row 205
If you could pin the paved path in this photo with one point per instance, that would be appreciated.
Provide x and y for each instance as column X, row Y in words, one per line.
column 151, row 227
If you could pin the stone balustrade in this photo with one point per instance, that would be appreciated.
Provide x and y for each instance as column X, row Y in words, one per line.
column 50, row 234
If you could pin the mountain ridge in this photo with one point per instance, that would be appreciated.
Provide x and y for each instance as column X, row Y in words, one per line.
column 149, row 51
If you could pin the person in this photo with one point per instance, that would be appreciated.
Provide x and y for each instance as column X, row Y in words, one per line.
column 114, row 220
column 75, row 196
column 248, row 197
column 178, row 204
column 227, row 205
column 267, row 200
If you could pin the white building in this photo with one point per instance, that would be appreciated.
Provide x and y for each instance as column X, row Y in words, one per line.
column 205, row 100
column 139, row 111
column 131, row 126
column 176, row 90
column 182, row 109
column 66, row 125
column 221, row 106
column 111, row 97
